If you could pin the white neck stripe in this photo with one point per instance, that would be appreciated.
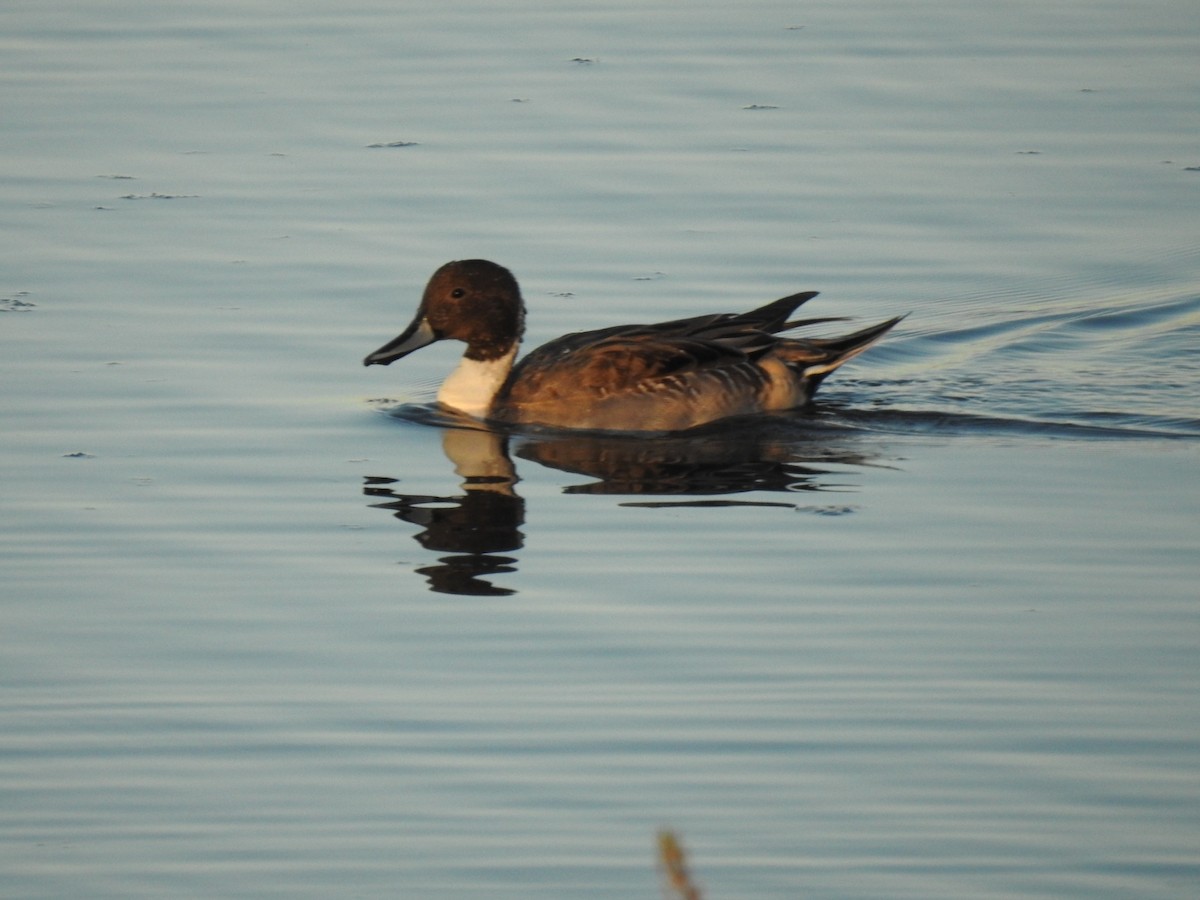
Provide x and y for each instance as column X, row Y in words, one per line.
column 472, row 386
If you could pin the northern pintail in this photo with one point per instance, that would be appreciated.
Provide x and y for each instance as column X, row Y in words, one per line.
column 668, row 376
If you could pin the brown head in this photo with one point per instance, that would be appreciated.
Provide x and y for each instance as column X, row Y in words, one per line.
column 472, row 300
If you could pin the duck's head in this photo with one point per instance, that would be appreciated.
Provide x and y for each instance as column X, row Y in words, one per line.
column 470, row 300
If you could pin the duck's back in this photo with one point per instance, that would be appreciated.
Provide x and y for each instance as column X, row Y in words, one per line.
column 677, row 375
column 631, row 379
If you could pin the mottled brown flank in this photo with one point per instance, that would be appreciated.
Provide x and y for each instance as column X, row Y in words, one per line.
column 675, row 375
column 611, row 367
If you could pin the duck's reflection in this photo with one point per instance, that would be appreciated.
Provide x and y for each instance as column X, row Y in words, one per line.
column 707, row 465
column 476, row 526
column 481, row 526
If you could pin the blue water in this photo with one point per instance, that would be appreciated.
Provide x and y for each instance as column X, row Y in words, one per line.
column 270, row 627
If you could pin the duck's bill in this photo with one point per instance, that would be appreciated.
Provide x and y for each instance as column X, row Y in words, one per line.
column 419, row 334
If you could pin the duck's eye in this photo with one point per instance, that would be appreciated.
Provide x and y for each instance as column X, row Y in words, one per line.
column 458, row 293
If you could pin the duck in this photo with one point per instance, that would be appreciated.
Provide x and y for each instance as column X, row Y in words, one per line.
column 663, row 377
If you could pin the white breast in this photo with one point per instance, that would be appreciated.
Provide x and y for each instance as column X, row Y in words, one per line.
column 471, row 387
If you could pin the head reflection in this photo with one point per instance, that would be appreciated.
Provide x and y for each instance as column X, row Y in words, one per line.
column 474, row 527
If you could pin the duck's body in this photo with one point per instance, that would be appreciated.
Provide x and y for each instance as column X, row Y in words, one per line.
column 664, row 377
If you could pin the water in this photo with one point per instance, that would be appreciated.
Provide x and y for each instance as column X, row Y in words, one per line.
column 935, row 638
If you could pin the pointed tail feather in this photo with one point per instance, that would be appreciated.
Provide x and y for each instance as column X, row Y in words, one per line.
column 804, row 323
column 773, row 317
column 833, row 352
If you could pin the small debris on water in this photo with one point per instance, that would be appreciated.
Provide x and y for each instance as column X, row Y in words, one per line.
column 16, row 303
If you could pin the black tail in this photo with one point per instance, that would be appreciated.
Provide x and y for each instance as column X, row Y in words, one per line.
column 852, row 344
column 814, row 358
column 773, row 317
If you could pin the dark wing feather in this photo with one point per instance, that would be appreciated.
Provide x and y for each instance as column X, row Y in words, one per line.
column 613, row 365
column 628, row 358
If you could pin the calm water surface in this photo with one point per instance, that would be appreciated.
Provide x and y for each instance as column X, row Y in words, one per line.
column 269, row 627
